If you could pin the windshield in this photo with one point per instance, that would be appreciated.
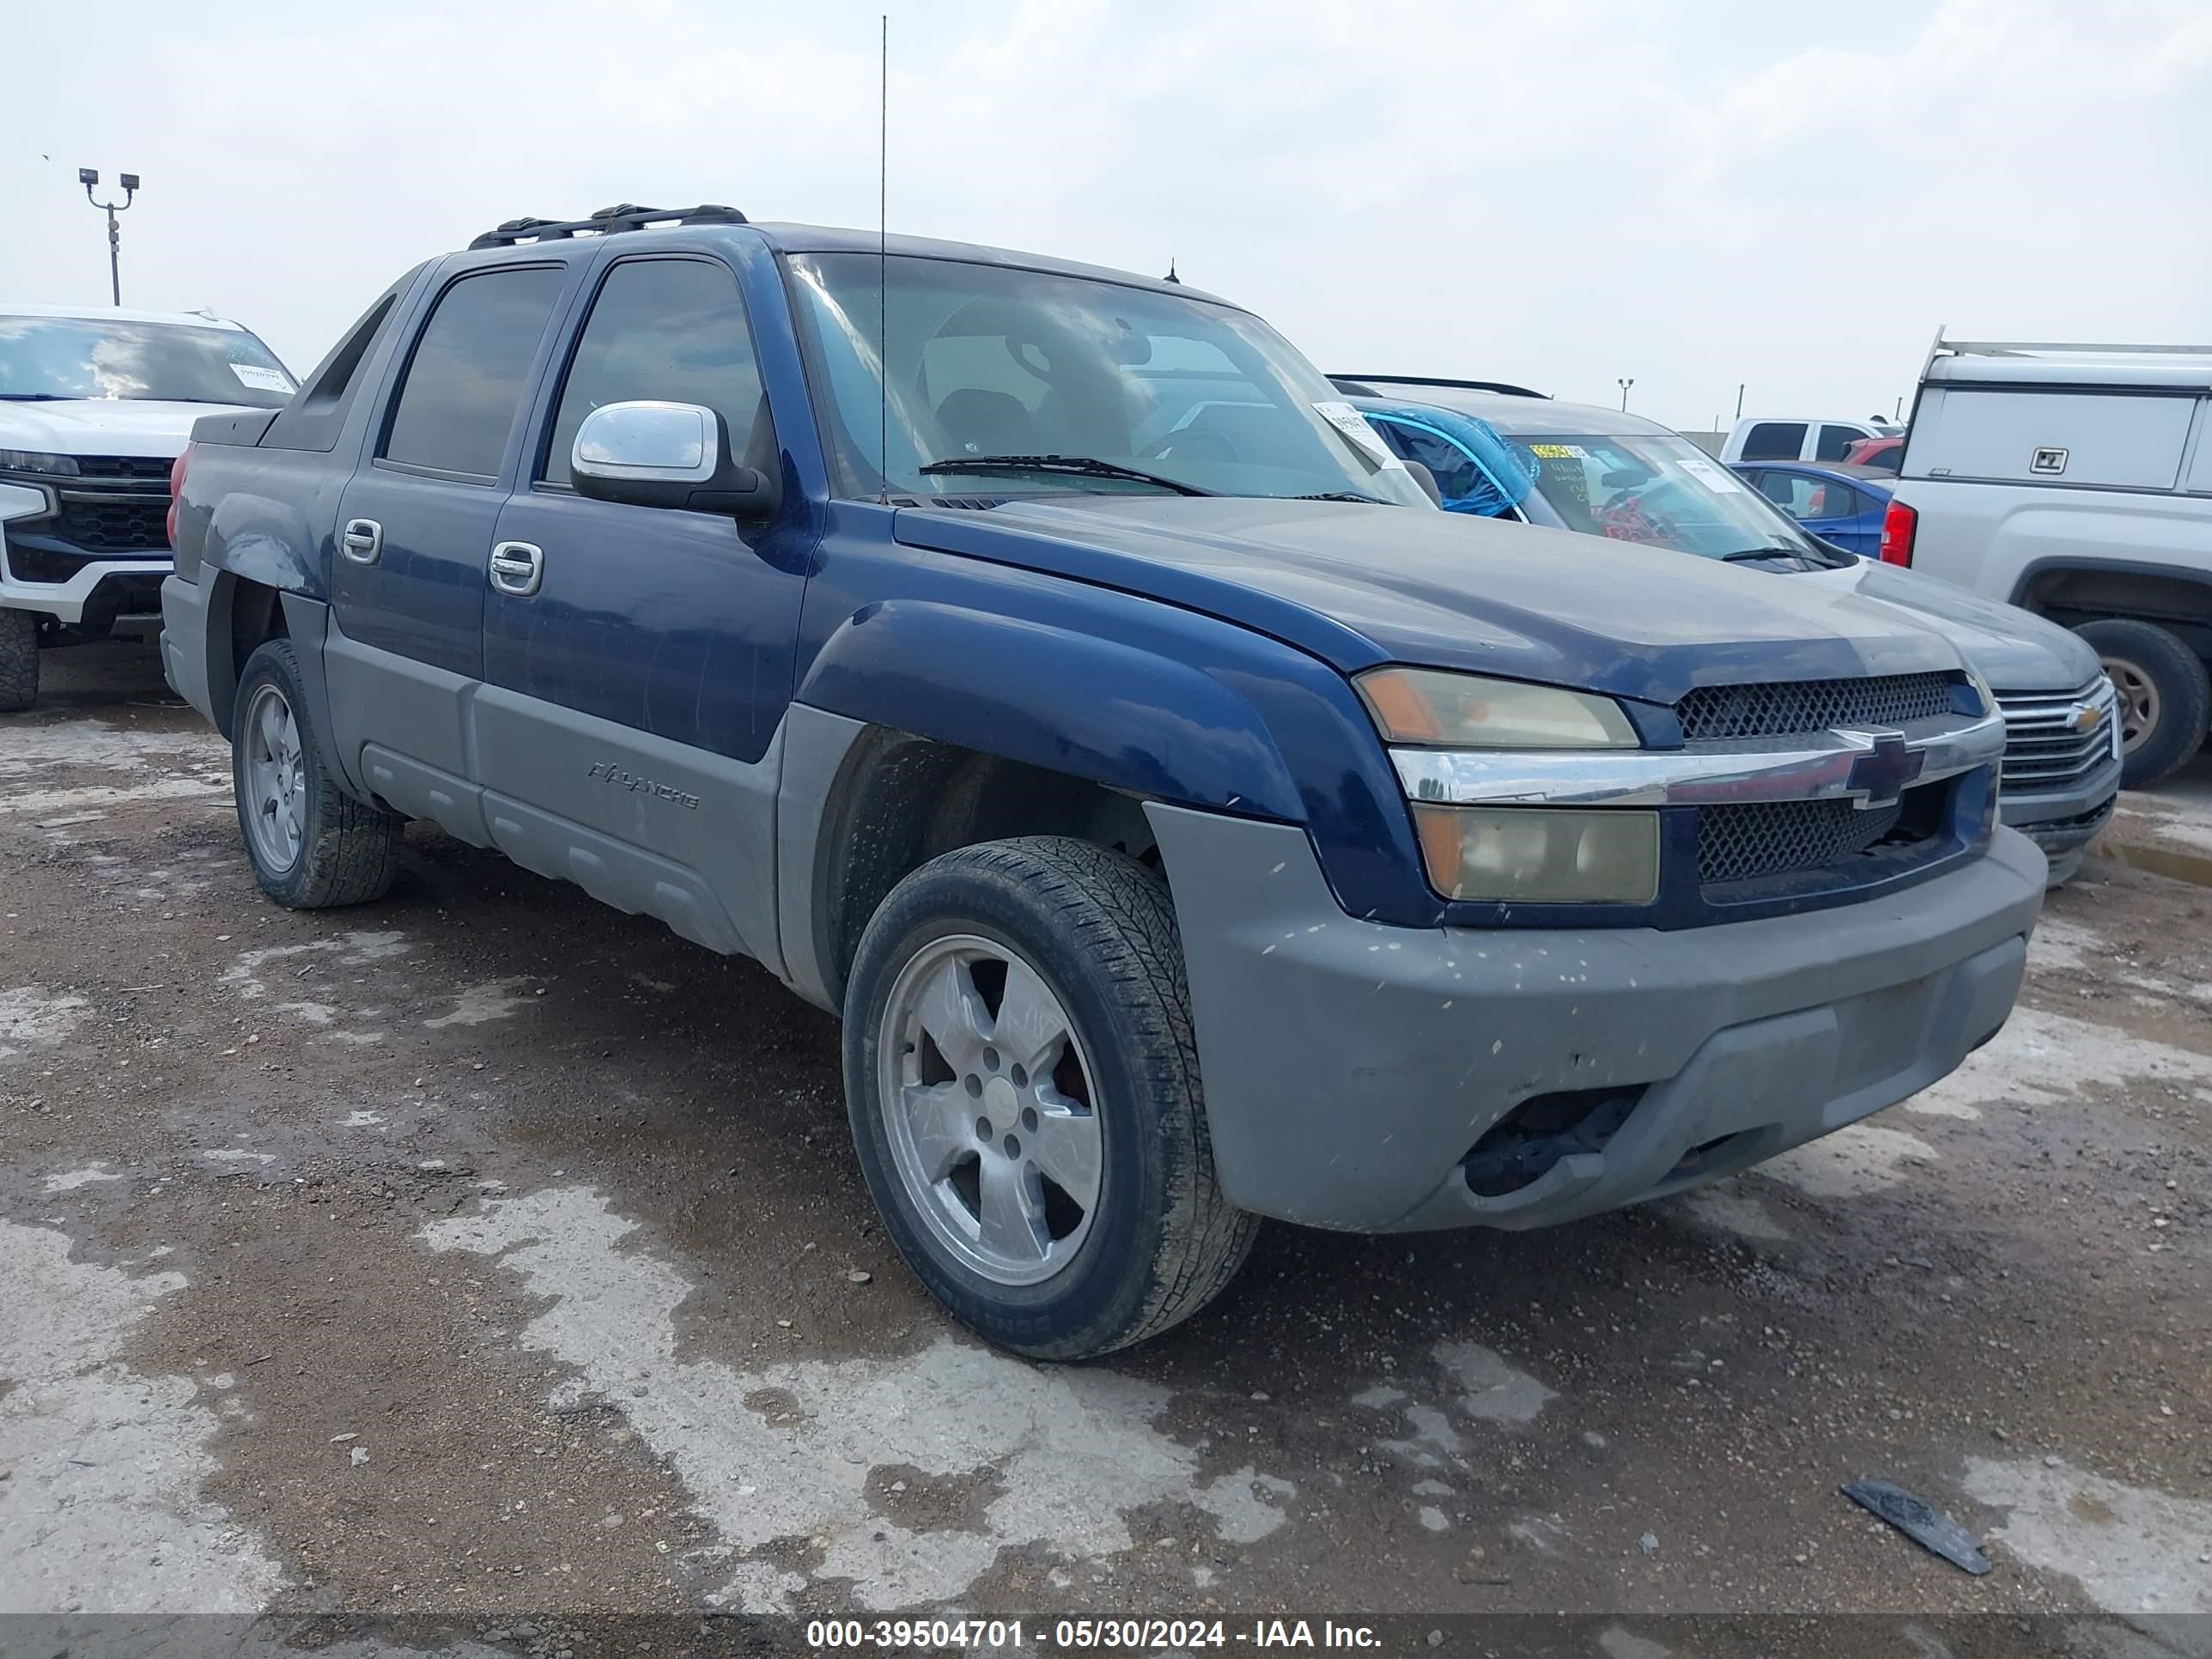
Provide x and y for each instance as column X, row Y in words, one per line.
column 51, row 357
column 1655, row 489
column 994, row 366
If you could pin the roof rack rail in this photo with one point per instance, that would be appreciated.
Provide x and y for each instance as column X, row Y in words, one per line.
column 2033, row 348
column 606, row 222
column 1345, row 382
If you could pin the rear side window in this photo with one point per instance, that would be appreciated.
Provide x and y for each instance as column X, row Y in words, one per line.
column 1834, row 440
column 2117, row 440
column 1774, row 441
column 470, row 370
column 672, row 330
column 311, row 420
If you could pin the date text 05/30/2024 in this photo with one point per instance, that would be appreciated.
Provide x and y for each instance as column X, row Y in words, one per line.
column 1126, row 1635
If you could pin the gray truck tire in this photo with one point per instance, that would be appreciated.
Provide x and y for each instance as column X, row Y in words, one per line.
column 19, row 660
column 2164, row 695
column 1107, row 1227
column 312, row 846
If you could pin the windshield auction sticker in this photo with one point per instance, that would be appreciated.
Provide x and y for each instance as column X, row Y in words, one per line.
column 1351, row 422
column 259, row 377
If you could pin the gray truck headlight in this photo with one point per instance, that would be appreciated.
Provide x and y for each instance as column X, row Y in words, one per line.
column 1445, row 710
column 38, row 460
column 1540, row 854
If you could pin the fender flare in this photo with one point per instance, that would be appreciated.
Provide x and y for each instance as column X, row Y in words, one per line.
column 1051, row 697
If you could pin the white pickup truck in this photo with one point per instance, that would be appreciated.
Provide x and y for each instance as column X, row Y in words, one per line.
column 95, row 406
column 2076, row 480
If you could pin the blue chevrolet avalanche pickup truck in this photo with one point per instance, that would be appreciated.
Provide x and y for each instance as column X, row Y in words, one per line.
column 1040, row 666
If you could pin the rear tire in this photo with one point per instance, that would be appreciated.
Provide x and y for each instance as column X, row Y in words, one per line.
column 1045, row 1170
column 312, row 846
column 2165, row 696
column 19, row 660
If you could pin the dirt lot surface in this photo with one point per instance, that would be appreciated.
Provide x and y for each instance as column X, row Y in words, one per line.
column 490, row 1264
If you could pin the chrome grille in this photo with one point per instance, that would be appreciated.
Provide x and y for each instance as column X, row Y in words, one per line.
column 2044, row 750
column 1778, row 709
column 1750, row 839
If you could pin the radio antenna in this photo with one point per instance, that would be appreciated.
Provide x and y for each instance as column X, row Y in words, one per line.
column 883, row 263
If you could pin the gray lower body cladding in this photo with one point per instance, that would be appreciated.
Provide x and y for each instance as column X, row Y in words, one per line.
column 1351, row 1069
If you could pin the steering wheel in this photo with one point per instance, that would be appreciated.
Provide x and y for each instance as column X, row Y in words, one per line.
column 1191, row 444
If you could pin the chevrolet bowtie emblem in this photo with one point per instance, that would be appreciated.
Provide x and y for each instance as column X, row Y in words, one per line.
column 2085, row 716
column 1879, row 776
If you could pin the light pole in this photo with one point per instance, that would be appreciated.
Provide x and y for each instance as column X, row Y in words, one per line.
column 88, row 177
column 1623, row 385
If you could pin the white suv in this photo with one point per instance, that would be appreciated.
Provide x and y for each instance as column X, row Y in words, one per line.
column 95, row 406
column 2076, row 481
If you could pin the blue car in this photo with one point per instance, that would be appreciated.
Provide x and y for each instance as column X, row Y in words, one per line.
column 1833, row 499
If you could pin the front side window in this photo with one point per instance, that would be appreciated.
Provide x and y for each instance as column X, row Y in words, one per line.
column 47, row 359
column 669, row 330
column 465, row 385
column 993, row 366
column 1774, row 441
column 1658, row 489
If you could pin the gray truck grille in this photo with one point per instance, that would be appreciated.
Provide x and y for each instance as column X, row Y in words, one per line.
column 2044, row 749
column 1751, row 839
column 1712, row 713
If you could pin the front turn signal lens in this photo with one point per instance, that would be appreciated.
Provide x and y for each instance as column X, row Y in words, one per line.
column 1446, row 710
column 1540, row 855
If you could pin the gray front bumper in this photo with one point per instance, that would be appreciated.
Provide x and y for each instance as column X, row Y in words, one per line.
column 1349, row 1067
column 2060, row 820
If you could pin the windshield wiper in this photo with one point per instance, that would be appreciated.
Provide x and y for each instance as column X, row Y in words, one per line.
column 1771, row 551
column 1340, row 495
column 1085, row 466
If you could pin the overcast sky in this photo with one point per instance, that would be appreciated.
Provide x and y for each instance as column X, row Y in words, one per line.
column 1690, row 192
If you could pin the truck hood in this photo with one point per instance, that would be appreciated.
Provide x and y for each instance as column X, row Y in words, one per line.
column 1359, row 584
column 2012, row 649
column 105, row 426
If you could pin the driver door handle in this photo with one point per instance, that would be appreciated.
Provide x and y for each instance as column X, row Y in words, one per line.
column 362, row 540
column 517, row 568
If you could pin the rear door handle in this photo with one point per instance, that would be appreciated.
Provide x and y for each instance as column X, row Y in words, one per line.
column 517, row 567
column 362, row 540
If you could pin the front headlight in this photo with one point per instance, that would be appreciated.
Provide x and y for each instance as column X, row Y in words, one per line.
column 1540, row 855
column 38, row 460
column 1445, row 710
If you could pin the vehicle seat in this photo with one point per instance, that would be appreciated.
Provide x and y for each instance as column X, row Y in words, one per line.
column 982, row 423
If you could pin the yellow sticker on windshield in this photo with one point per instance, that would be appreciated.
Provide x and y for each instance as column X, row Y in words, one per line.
column 1557, row 452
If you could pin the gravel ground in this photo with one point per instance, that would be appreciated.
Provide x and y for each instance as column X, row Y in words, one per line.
column 488, row 1266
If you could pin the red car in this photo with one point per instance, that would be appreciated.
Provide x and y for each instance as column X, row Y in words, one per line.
column 1883, row 454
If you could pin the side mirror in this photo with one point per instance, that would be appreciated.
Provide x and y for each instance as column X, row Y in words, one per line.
column 661, row 455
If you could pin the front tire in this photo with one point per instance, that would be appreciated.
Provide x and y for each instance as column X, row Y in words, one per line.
column 2165, row 696
column 1022, row 1078
column 19, row 660
column 312, row 846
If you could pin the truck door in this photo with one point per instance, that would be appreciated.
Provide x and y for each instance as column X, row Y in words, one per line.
column 416, row 522
column 638, row 659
